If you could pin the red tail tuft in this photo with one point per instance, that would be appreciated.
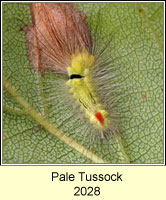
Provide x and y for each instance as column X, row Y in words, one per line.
column 99, row 117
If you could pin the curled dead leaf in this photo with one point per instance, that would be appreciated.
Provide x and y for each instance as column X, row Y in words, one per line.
column 58, row 31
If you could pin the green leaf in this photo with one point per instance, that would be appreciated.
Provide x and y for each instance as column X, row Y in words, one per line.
column 36, row 132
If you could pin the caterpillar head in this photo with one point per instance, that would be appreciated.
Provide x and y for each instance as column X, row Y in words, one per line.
column 81, row 63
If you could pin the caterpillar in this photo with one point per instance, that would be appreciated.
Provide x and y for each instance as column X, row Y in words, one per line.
column 64, row 44
column 83, row 91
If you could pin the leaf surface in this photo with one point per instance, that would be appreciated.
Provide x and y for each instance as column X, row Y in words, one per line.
column 32, row 134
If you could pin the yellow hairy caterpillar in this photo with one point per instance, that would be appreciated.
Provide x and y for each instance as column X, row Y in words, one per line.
column 63, row 44
column 83, row 91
